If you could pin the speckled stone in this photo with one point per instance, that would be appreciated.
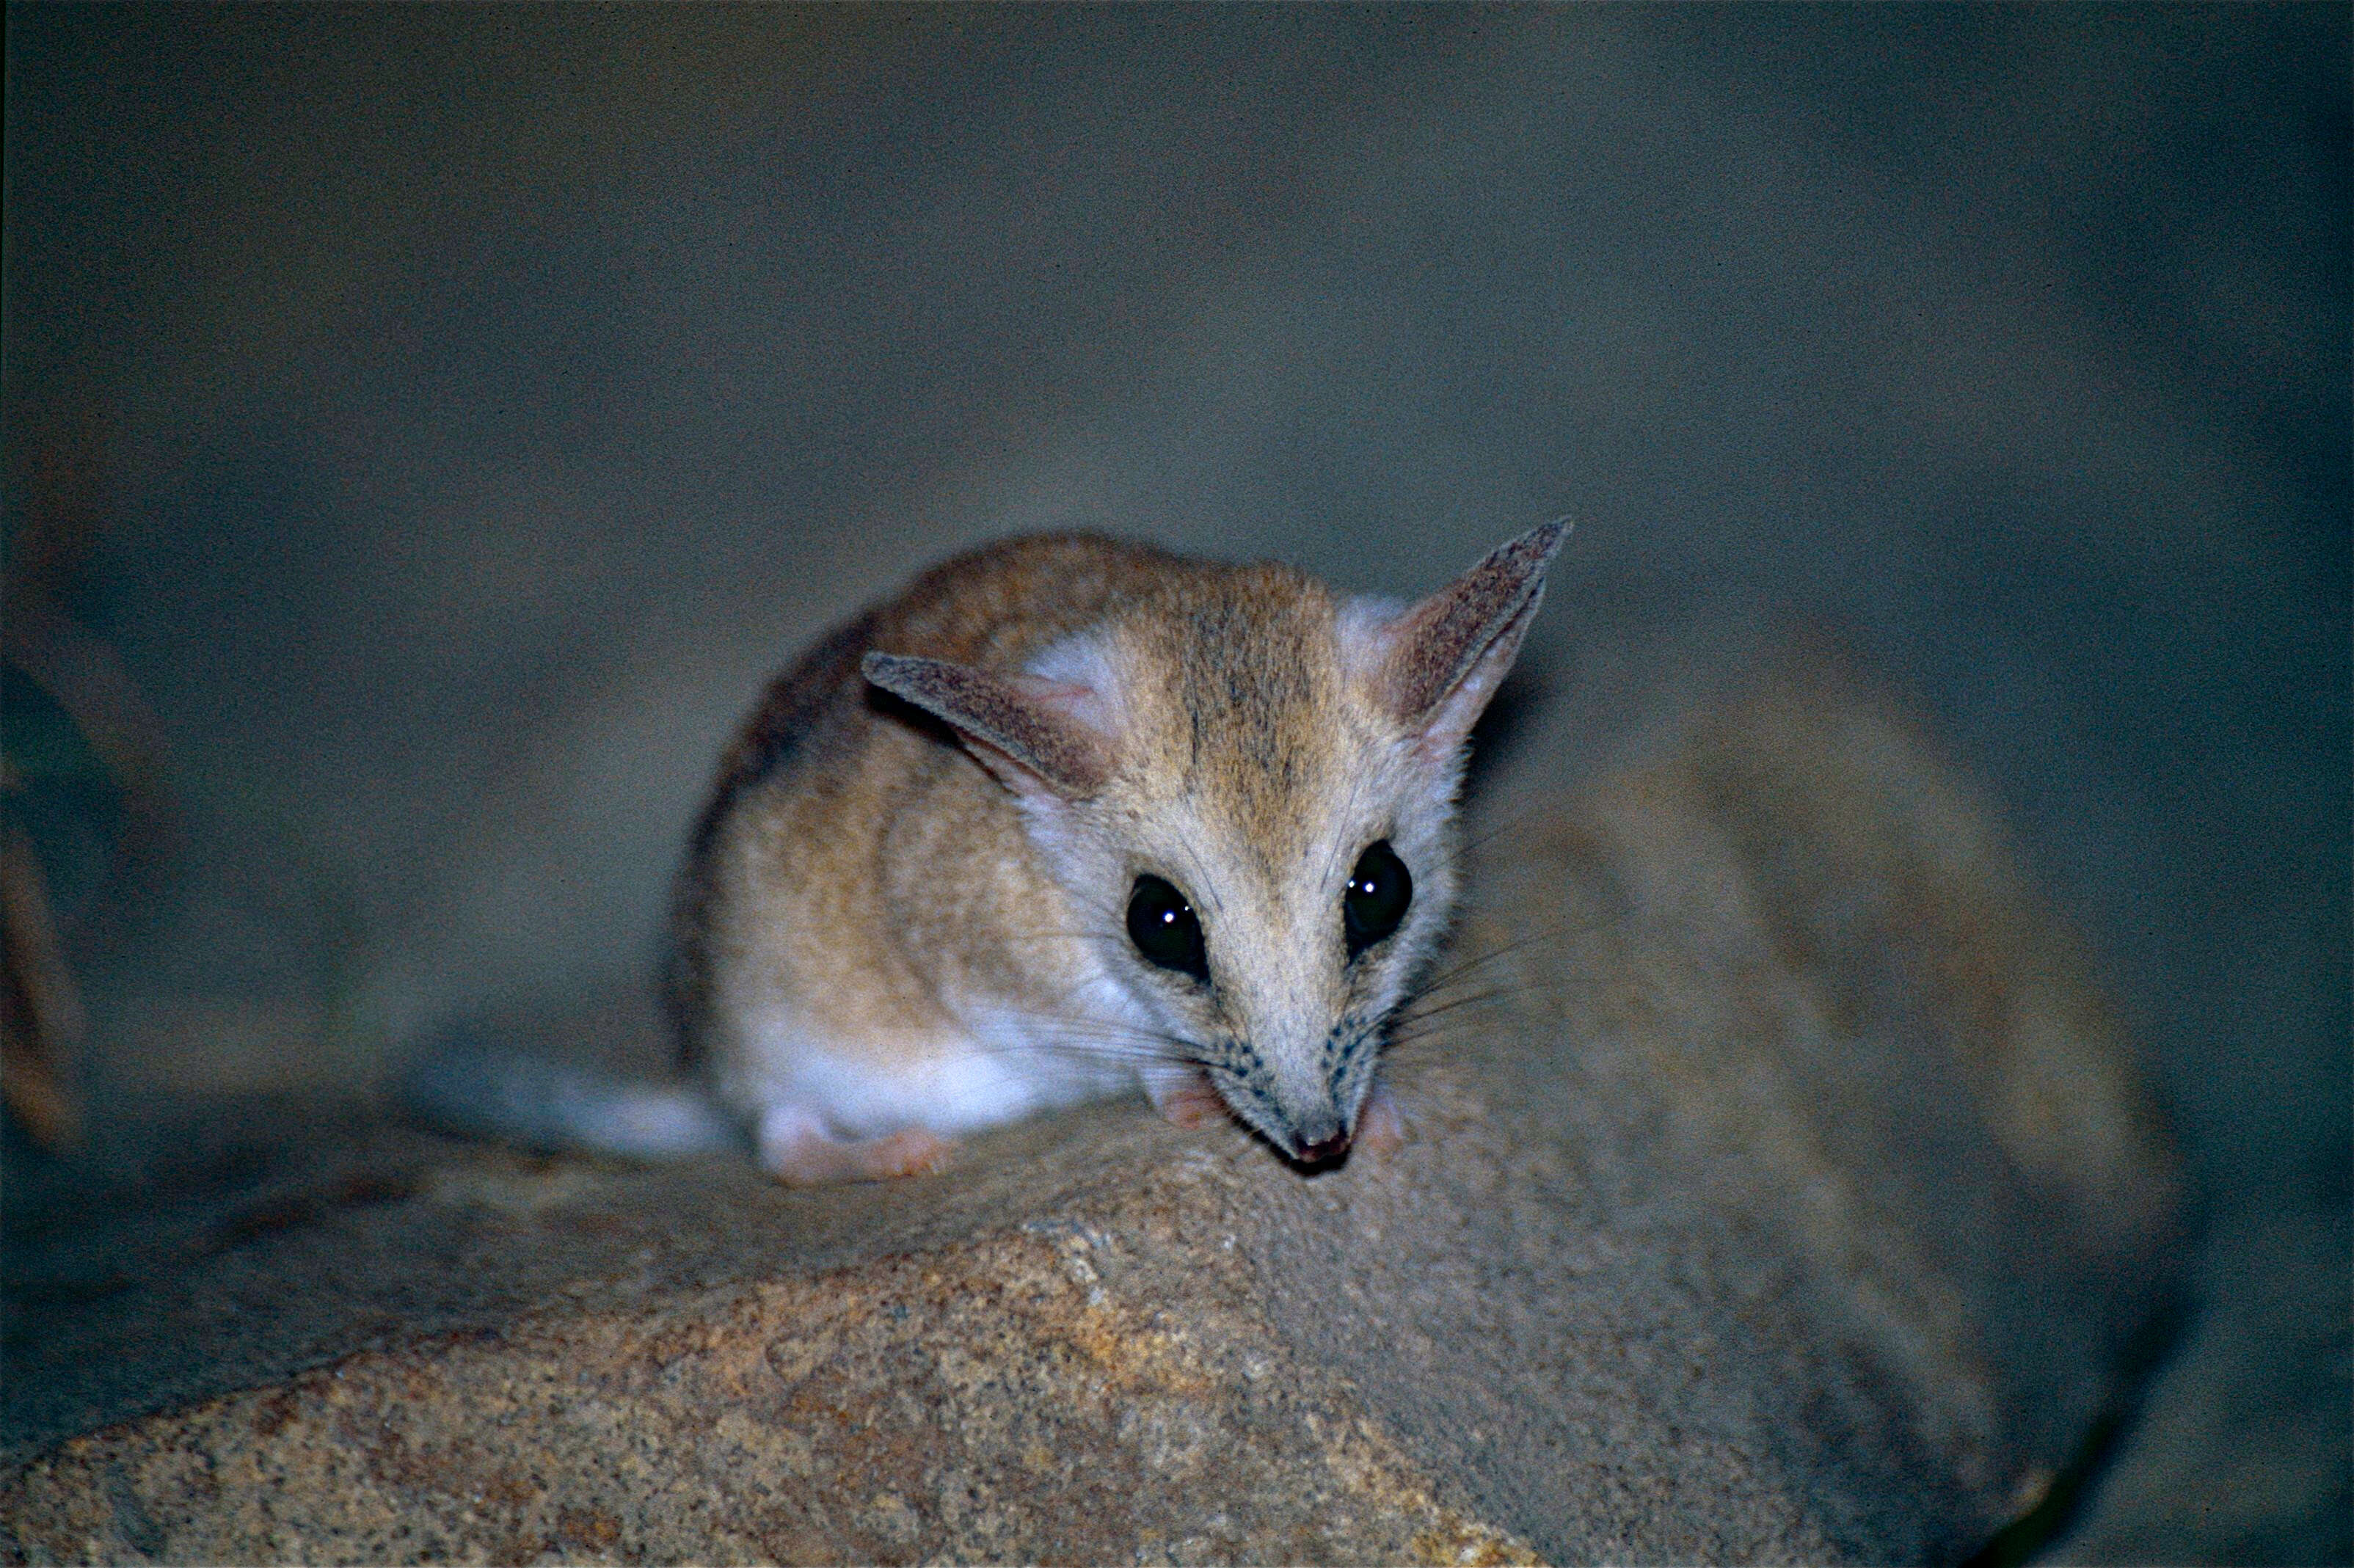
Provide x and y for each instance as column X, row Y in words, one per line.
column 1776, row 1186
column 1001, row 1400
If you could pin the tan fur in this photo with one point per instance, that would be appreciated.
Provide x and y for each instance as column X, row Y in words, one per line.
column 889, row 922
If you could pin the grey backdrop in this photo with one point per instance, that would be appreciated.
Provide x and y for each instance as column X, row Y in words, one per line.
column 488, row 398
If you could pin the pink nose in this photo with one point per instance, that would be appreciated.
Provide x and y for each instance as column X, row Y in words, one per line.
column 1324, row 1150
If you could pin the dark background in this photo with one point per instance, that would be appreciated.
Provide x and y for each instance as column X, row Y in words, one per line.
column 466, row 407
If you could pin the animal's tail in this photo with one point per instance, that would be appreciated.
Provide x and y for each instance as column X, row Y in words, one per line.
column 480, row 1091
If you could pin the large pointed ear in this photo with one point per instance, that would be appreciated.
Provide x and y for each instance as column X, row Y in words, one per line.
column 1033, row 733
column 1434, row 666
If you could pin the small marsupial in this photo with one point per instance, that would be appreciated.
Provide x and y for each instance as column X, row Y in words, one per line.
column 1067, row 817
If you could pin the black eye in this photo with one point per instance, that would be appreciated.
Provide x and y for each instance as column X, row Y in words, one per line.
column 1165, row 930
column 1375, row 900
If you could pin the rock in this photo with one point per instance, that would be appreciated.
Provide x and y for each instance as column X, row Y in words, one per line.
column 1776, row 1186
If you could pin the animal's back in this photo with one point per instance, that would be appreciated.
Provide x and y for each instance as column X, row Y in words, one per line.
column 823, row 749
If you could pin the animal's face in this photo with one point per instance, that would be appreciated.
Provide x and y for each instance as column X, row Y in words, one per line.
column 1271, row 924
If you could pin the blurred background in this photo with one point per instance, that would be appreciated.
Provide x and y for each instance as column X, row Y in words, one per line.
column 427, row 428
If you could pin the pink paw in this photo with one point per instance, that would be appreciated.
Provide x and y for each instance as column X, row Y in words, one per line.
column 1381, row 1127
column 798, row 1151
column 1189, row 1102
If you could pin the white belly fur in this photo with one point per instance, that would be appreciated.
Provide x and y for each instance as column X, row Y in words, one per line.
column 950, row 1084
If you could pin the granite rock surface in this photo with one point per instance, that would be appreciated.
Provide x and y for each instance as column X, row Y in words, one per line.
column 1777, row 1185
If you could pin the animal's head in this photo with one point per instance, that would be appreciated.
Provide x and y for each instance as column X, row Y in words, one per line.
column 1246, row 786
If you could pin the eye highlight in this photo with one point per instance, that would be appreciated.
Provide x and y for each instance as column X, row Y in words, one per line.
column 1376, row 898
column 1165, row 930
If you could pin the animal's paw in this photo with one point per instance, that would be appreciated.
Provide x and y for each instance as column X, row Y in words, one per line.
column 1381, row 1125
column 1189, row 1101
column 797, row 1150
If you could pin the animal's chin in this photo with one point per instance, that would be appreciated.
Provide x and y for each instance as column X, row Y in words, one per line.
column 1315, row 1147
column 1317, row 1140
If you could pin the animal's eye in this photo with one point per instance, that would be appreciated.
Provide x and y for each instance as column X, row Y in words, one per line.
column 1165, row 930
column 1376, row 897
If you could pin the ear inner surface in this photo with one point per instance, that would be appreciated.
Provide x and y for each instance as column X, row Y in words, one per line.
column 1019, row 717
column 1440, row 640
